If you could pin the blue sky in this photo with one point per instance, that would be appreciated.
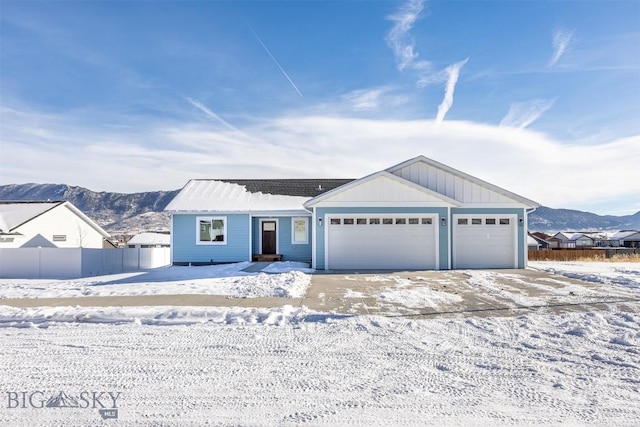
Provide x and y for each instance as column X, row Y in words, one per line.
column 539, row 97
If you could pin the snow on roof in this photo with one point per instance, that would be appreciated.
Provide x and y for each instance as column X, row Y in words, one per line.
column 150, row 239
column 14, row 214
column 218, row 196
column 620, row 235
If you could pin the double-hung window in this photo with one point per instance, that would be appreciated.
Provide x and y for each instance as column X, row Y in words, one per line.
column 212, row 230
column 299, row 231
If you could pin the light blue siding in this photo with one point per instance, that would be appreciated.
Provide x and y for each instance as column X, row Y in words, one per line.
column 521, row 226
column 443, row 239
column 289, row 251
column 185, row 248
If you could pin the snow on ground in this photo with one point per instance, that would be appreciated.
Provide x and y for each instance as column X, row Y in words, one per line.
column 288, row 281
column 306, row 368
column 619, row 274
column 192, row 366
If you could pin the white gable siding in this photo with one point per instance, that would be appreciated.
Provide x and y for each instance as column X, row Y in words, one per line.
column 381, row 191
column 453, row 186
column 59, row 221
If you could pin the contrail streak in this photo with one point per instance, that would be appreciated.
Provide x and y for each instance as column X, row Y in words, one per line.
column 275, row 61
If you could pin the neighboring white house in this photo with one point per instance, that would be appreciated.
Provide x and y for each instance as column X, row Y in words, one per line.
column 48, row 225
column 150, row 240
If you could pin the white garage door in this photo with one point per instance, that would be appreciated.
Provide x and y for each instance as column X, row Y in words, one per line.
column 484, row 241
column 381, row 242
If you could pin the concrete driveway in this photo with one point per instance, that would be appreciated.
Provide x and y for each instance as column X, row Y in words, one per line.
column 420, row 294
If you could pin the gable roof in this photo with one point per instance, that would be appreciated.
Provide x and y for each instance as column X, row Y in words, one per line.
column 407, row 170
column 408, row 193
column 14, row 214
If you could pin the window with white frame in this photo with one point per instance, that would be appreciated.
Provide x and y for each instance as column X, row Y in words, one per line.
column 299, row 231
column 211, row 230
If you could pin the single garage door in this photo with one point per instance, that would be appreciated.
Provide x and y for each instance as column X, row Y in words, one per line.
column 484, row 241
column 382, row 242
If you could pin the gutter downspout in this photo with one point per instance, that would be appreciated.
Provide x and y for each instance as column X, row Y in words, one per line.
column 526, row 235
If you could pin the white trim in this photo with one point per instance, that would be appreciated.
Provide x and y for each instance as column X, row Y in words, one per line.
column 434, row 218
column 513, row 225
column 250, row 238
column 306, row 230
column 449, row 239
column 211, row 218
column 171, row 239
column 277, row 233
column 314, row 238
column 440, row 198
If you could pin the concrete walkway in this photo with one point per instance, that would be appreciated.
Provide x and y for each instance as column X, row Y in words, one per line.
column 443, row 293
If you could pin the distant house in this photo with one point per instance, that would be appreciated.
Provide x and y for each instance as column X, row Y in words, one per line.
column 532, row 243
column 545, row 241
column 573, row 240
column 48, row 224
column 419, row 214
column 150, row 240
column 627, row 238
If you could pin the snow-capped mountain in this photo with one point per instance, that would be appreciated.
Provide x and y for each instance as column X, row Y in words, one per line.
column 120, row 213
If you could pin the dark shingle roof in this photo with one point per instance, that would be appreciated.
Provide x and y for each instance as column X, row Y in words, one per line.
column 289, row 187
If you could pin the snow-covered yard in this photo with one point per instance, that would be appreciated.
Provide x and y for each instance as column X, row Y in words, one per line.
column 291, row 365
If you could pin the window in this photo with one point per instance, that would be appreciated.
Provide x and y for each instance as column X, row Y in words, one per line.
column 414, row 221
column 59, row 238
column 476, row 221
column 374, row 221
column 335, row 221
column 212, row 230
column 463, row 221
column 387, row 220
column 299, row 231
column 361, row 221
column 490, row 221
column 426, row 221
column 504, row 221
column 348, row 221
column 401, row 220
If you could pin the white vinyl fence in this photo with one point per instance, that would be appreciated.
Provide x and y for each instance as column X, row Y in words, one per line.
column 72, row 263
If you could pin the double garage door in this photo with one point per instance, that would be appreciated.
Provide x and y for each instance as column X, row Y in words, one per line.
column 382, row 242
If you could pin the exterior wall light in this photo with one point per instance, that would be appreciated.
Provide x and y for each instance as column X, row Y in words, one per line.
column 521, row 222
column 444, row 221
column 319, row 222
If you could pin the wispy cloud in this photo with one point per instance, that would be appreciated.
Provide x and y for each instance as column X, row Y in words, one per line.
column 453, row 72
column 275, row 61
column 403, row 46
column 561, row 40
column 522, row 114
column 199, row 105
column 333, row 147
column 399, row 39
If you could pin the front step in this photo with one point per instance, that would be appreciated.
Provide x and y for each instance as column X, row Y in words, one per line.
column 266, row 257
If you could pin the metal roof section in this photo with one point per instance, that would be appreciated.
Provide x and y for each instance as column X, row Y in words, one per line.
column 221, row 196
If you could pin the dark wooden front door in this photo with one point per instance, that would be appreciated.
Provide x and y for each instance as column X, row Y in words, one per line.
column 269, row 237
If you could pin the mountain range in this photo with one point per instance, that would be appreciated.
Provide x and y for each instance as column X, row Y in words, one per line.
column 120, row 213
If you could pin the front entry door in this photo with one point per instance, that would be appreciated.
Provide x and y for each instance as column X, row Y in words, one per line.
column 269, row 237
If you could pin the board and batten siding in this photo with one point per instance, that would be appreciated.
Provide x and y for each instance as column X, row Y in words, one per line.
column 443, row 240
column 289, row 251
column 453, row 186
column 185, row 248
